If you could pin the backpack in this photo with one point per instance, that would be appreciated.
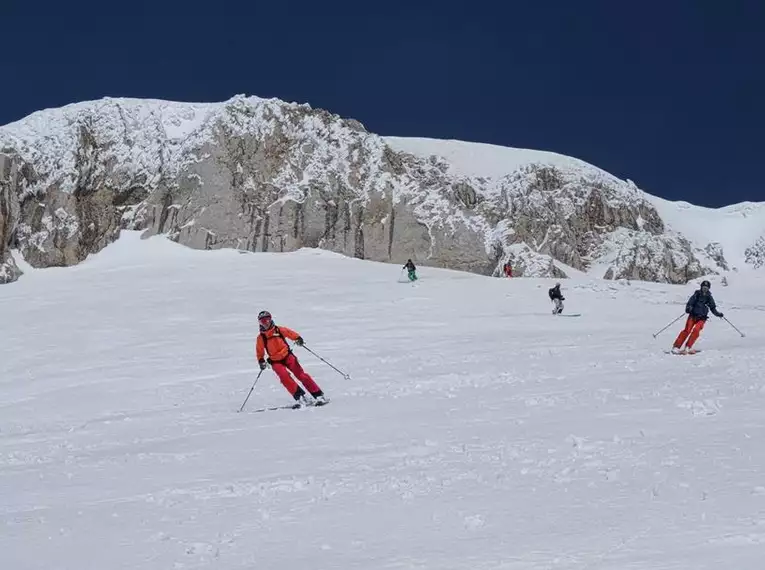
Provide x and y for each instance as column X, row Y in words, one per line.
column 277, row 334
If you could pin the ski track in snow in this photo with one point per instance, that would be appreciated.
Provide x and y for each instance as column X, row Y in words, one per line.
column 478, row 430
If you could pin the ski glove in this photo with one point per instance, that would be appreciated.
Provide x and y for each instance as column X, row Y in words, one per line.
column 262, row 364
column 720, row 315
column 299, row 341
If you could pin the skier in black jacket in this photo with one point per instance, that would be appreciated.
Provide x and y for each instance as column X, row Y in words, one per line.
column 556, row 297
column 698, row 307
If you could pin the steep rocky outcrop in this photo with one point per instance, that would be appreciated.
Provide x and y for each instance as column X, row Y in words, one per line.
column 9, row 215
column 264, row 175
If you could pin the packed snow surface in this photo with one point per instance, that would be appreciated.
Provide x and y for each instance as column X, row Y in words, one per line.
column 478, row 430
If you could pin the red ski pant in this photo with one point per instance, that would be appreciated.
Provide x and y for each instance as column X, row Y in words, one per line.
column 692, row 330
column 291, row 364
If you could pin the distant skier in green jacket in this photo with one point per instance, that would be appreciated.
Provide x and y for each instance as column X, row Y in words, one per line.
column 411, row 270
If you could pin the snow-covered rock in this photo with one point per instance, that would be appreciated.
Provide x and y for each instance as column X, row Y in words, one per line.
column 265, row 175
column 755, row 255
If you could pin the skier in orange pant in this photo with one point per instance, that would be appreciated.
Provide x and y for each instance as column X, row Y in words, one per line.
column 697, row 307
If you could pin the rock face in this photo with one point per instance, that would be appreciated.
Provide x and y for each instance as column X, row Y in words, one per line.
column 9, row 215
column 264, row 175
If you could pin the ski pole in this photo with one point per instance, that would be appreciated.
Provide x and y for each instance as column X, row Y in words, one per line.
column 669, row 325
column 734, row 326
column 343, row 374
column 251, row 389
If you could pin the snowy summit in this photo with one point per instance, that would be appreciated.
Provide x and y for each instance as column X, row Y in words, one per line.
column 265, row 175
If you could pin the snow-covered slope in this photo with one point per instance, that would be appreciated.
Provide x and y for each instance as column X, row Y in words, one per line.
column 265, row 175
column 737, row 228
column 486, row 434
column 480, row 159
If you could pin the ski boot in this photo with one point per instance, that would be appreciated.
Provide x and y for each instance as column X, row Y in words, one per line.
column 319, row 399
column 300, row 399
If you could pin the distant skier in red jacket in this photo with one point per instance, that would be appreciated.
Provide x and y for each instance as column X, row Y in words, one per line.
column 508, row 269
column 272, row 340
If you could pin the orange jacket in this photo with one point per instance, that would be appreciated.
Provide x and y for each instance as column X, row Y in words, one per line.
column 274, row 344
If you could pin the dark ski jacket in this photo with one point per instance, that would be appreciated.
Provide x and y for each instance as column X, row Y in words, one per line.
column 409, row 266
column 699, row 305
column 555, row 293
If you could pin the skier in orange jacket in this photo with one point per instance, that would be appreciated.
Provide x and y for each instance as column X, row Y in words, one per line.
column 272, row 340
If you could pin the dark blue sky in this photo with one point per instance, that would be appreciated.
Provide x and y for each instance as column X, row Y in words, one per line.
column 669, row 93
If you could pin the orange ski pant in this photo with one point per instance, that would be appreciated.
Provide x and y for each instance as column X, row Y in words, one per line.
column 692, row 330
column 291, row 364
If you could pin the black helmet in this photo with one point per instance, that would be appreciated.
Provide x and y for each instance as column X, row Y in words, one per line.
column 265, row 320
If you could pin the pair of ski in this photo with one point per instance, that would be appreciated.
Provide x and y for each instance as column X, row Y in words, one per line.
column 313, row 404
column 683, row 352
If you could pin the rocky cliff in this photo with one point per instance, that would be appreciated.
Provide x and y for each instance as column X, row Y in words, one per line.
column 264, row 175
